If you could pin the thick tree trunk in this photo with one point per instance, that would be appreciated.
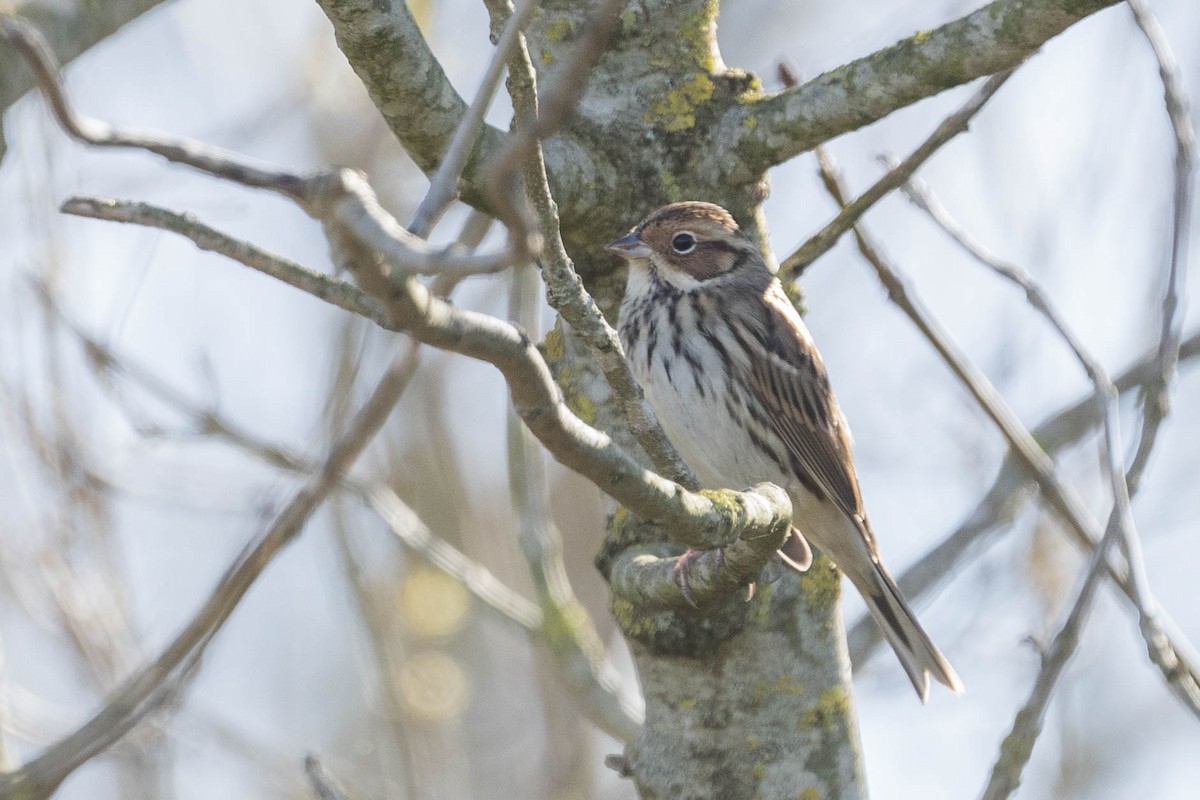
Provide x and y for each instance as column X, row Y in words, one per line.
column 763, row 712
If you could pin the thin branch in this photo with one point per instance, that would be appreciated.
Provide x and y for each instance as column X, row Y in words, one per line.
column 1107, row 396
column 444, row 186
column 1157, row 402
column 389, row 54
column 993, row 39
column 1010, row 491
column 484, row 586
column 73, row 29
column 584, row 666
column 1106, row 393
column 338, row 293
column 338, row 193
column 852, row 211
column 564, row 289
column 692, row 519
column 156, row 683
column 1061, row 499
column 323, row 784
column 1017, row 746
column 581, row 649
column 363, row 239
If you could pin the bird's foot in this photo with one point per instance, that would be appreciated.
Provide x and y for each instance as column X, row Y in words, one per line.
column 683, row 564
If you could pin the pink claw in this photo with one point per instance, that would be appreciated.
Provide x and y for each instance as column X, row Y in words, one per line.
column 684, row 563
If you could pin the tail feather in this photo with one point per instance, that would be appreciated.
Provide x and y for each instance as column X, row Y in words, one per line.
column 917, row 653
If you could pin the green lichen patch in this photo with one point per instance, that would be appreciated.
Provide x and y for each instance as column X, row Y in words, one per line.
column 552, row 346
column 784, row 684
column 634, row 623
column 629, row 19
column 676, row 110
column 822, row 584
column 560, row 30
column 832, row 709
column 759, row 611
column 569, row 377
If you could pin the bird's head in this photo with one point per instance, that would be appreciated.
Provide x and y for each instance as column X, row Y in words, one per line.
column 687, row 244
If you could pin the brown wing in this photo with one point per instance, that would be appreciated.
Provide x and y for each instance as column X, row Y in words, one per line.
column 800, row 406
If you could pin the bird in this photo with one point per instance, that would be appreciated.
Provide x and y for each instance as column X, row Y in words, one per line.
column 733, row 375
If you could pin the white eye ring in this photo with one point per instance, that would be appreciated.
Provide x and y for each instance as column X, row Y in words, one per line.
column 683, row 242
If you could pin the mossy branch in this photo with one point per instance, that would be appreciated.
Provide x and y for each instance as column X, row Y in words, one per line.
column 996, row 37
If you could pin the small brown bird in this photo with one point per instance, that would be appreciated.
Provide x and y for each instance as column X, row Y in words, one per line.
column 739, row 387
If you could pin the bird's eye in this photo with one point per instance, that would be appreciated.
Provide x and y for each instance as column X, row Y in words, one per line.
column 684, row 242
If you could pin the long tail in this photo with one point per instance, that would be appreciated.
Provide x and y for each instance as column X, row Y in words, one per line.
column 917, row 653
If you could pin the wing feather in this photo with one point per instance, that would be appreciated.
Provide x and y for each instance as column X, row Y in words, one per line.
column 790, row 379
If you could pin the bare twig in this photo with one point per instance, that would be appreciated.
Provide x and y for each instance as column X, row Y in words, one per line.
column 852, row 211
column 1106, row 393
column 155, row 683
column 379, row 631
column 558, row 104
column 339, row 293
column 541, row 543
column 444, row 185
column 484, row 586
column 324, row 785
column 369, row 243
column 1018, row 745
column 564, row 289
column 1157, row 401
column 1009, row 493
column 339, row 194
column 992, row 38
column 690, row 518
column 1183, row 673
column 586, row 669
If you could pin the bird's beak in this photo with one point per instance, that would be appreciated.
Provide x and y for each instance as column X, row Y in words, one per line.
column 629, row 246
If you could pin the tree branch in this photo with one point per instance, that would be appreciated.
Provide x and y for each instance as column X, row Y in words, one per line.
column 443, row 187
column 1177, row 658
column 1010, row 491
column 379, row 252
column 993, row 39
column 584, row 666
column 852, row 211
column 72, row 29
column 391, row 57
column 148, row 688
column 565, row 291
column 321, row 286
column 577, row 647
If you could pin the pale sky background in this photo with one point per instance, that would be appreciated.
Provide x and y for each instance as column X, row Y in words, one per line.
column 1067, row 173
